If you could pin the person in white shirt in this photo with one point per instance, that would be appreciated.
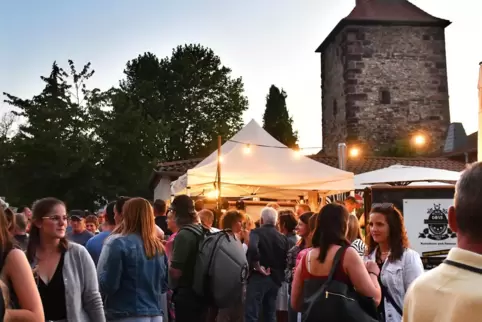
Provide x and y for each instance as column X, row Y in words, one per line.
column 399, row 265
column 451, row 292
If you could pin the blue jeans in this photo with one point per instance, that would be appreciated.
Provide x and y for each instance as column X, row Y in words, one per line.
column 261, row 293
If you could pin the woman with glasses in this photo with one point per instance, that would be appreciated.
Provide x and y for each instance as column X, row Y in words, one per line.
column 24, row 302
column 64, row 272
column 399, row 265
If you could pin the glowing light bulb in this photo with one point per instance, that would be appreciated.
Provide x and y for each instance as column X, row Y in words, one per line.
column 247, row 149
column 212, row 194
column 221, row 159
column 419, row 140
column 297, row 153
column 354, row 152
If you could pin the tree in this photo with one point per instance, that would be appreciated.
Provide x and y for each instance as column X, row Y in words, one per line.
column 51, row 152
column 7, row 122
column 276, row 120
column 191, row 94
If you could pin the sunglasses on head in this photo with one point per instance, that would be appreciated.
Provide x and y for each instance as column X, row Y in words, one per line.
column 384, row 205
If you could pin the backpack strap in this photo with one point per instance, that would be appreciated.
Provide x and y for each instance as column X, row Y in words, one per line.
column 336, row 262
column 390, row 299
column 463, row 266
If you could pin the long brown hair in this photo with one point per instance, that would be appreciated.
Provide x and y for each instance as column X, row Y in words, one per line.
column 40, row 209
column 354, row 231
column 397, row 234
column 6, row 242
column 139, row 219
column 331, row 226
column 306, row 219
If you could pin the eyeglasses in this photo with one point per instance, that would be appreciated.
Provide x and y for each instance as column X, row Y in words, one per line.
column 384, row 205
column 56, row 218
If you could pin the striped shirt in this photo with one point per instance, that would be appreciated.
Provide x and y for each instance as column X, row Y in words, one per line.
column 359, row 246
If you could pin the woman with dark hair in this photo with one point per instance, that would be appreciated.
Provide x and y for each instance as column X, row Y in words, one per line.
column 65, row 273
column 16, row 274
column 328, row 238
column 304, row 231
column 399, row 265
column 354, row 235
column 287, row 225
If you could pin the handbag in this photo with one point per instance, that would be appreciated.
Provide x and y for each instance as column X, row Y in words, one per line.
column 329, row 300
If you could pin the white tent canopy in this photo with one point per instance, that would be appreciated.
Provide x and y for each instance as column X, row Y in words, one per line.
column 269, row 170
column 405, row 174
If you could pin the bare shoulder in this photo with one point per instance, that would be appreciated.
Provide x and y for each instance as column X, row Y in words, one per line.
column 15, row 256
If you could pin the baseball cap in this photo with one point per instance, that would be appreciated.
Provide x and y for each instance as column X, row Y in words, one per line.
column 182, row 204
column 76, row 214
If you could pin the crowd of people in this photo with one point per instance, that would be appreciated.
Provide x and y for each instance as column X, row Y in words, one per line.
column 135, row 261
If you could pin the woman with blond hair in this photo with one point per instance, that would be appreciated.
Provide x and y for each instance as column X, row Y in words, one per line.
column 132, row 267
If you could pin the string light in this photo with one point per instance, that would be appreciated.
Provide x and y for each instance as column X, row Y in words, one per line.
column 247, row 149
column 249, row 145
column 213, row 194
column 221, row 159
column 297, row 153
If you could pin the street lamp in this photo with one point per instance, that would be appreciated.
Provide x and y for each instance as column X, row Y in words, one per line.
column 419, row 140
column 354, row 152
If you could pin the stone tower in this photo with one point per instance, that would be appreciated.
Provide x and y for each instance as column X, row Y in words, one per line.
column 384, row 77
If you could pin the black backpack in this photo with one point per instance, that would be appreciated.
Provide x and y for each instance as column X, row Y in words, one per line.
column 221, row 268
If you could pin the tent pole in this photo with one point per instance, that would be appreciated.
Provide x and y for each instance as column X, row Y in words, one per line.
column 219, row 174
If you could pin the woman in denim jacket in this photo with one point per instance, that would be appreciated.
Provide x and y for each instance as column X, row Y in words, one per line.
column 132, row 267
column 387, row 244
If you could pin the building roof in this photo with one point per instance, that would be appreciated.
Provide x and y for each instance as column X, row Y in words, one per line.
column 384, row 12
column 390, row 10
column 360, row 165
column 456, row 138
column 469, row 147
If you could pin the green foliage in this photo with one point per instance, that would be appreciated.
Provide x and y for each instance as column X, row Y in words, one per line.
column 87, row 146
column 51, row 151
column 276, row 120
column 401, row 149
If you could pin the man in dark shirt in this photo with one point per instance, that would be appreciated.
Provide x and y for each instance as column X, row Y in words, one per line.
column 267, row 252
column 189, row 306
column 21, row 231
column 79, row 234
column 161, row 218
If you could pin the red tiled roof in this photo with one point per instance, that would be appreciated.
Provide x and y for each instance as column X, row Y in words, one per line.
column 395, row 10
column 360, row 165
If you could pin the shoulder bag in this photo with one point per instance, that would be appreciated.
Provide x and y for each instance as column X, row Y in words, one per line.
column 334, row 301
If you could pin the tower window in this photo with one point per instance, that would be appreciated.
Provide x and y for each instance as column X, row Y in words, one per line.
column 385, row 96
column 335, row 108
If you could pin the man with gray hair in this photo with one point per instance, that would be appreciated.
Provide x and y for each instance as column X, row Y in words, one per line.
column 267, row 252
column 449, row 292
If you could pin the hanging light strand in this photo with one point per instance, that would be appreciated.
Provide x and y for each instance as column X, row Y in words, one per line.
column 271, row 146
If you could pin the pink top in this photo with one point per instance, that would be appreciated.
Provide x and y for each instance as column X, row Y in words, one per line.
column 169, row 244
column 301, row 254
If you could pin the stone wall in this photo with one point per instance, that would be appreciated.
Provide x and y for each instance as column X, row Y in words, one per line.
column 333, row 119
column 395, row 84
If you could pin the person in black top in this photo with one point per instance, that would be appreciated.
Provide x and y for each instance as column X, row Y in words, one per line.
column 161, row 218
column 266, row 254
